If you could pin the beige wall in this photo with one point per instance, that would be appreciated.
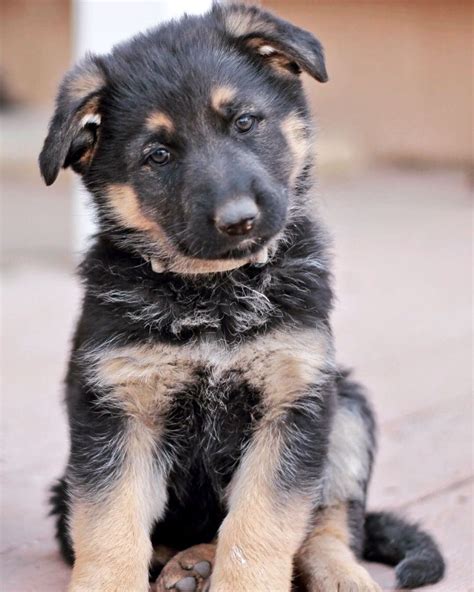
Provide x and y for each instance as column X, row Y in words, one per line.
column 401, row 71
column 35, row 47
column 401, row 75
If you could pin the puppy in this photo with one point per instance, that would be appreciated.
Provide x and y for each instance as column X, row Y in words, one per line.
column 208, row 419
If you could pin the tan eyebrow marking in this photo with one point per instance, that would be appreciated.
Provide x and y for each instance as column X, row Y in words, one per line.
column 159, row 120
column 222, row 95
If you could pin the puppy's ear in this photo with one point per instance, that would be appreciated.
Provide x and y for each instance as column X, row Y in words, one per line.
column 74, row 128
column 280, row 43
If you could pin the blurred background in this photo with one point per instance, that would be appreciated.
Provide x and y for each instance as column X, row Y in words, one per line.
column 395, row 178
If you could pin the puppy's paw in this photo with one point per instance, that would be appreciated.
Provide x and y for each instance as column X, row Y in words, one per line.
column 188, row 571
column 346, row 577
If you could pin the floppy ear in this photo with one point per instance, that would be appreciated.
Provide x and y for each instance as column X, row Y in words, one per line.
column 74, row 128
column 279, row 42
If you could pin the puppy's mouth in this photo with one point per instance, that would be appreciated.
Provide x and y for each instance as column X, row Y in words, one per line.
column 256, row 252
column 245, row 248
column 186, row 256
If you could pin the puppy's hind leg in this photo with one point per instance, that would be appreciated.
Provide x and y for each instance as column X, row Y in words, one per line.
column 328, row 559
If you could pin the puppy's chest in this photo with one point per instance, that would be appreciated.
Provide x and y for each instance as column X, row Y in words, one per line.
column 202, row 402
column 187, row 388
column 209, row 421
column 208, row 382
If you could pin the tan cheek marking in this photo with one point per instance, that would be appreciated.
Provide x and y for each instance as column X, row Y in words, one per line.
column 298, row 136
column 222, row 95
column 159, row 120
column 125, row 205
column 85, row 84
column 326, row 560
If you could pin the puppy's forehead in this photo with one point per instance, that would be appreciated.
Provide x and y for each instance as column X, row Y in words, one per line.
column 167, row 87
column 224, row 99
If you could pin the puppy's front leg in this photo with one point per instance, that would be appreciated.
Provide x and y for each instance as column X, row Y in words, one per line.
column 110, row 527
column 276, row 486
column 269, row 511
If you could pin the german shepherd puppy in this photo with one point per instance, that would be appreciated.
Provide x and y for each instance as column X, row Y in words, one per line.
column 211, row 430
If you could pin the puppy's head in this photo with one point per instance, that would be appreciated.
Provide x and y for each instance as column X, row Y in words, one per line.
column 193, row 138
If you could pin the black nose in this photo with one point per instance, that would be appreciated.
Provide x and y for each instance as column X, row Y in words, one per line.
column 236, row 217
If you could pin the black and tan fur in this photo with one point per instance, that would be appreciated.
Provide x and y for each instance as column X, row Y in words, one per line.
column 205, row 404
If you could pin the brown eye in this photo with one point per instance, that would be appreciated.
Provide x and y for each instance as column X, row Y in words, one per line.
column 245, row 123
column 160, row 156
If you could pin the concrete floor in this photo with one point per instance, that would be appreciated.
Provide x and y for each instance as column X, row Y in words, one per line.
column 403, row 272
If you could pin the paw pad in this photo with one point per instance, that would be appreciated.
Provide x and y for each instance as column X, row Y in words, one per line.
column 187, row 584
column 188, row 571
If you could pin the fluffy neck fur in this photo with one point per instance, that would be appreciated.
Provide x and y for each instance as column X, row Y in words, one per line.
column 293, row 287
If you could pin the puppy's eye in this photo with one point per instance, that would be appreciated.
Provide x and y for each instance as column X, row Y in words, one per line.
column 160, row 156
column 245, row 123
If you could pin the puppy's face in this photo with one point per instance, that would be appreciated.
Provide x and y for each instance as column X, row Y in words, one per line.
column 192, row 138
